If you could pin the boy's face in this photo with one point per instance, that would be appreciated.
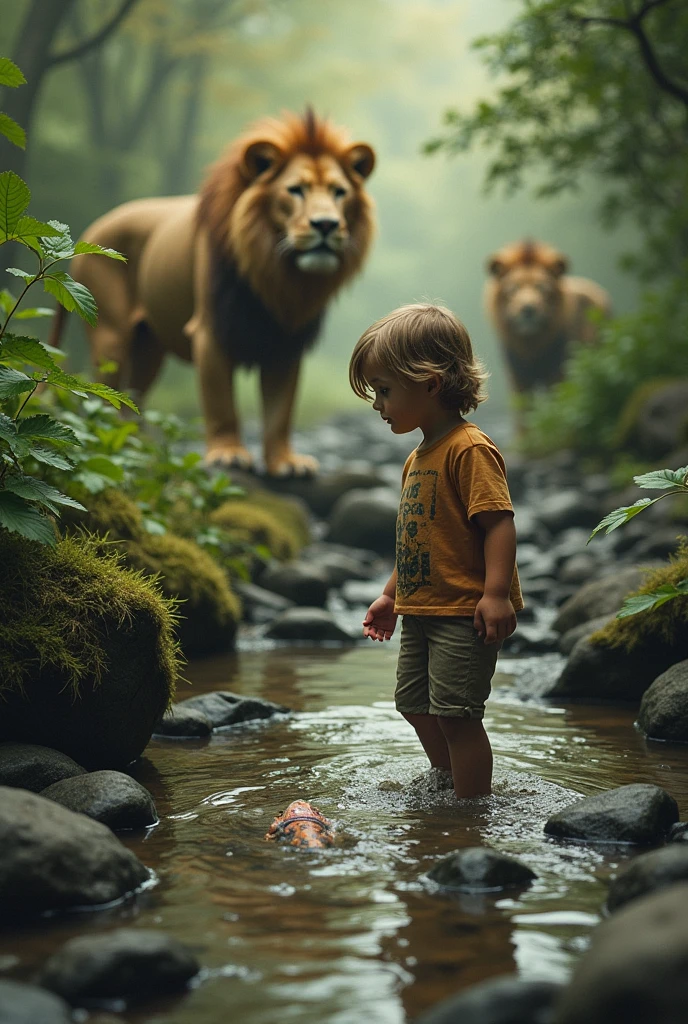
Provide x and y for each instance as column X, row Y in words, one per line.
column 402, row 403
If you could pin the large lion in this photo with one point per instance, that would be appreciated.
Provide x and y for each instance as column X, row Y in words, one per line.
column 237, row 276
column 538, row 310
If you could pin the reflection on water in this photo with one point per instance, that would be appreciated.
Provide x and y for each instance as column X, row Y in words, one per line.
column 357, row 932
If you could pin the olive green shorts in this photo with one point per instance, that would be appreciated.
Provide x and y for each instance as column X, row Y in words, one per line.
column 444, row 667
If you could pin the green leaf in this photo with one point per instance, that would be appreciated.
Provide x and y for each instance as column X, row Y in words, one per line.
column 50, row 457
column 44, row 427
column 8, row 434
column 34, row 313
column 15, row 196
column 619, row 516
column 81, row 248
column 663, row 479
column 80, row 387
column 17, row 516
column 29, row 350
column 7, row 301
column 14, row 382
column 654, row 599
column 74, row 296
column 32, row 489
column 59, row 244
column 153, row 526
column 12, row 131
column 104, row 466
column 16, row 272
column 10, row 73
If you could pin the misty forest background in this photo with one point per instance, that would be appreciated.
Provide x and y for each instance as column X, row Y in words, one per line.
column 147, row 111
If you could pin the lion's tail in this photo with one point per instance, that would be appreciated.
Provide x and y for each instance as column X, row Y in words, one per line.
column 57, row 327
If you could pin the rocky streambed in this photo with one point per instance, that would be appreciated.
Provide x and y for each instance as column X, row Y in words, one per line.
column 149, row 894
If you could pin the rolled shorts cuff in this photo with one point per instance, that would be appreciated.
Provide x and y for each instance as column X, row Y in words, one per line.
column 422, row 710
column 460, row 712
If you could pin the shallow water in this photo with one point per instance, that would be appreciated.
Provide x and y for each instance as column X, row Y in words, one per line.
column 355, row 932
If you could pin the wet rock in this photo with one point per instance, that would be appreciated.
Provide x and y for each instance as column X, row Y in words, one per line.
column 569, row 639
column 53, row 859
column 599, row 597
column 307, row 624
column 649, row 871
column 638, row 814
column 366, row 519
column 542, row 565
column 635, row 968
column 117, row 800
column 260, row 605
column 299, row 582
column 28, row 1004
column 539, row 590
column 363, row 592
column 130, row 964
column 479, row 869
column 505, row 1000
column 223, row 708
column 661, row 421
column 183, row 723
column 528, row 529
column 563, row 509
column 531, row 640
column 664, row 708
column 570, row 542
column 33, row 767
column 321, row 493
column 339, row 568
column 322, row 547
column 659, row 544
column 678, row 833
column 579, row 568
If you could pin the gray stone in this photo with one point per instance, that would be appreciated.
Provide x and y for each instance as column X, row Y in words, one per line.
column 355, row 592
column 678, row 833
column 322, row 492
column 314, row 624
column 543, row 564
column 111, row 797
column 563, row 509
column 579, row 568
column 299, row 582
column 479, row 869
column 570, row 542
column 649, row 871
column 223, row 708
column 339, row 568
column 639, row 813
column 569, row 639
column 661, row 423
column 323, row 547
column 28, row 1004
column 505, row 1000
column 131, row 964
column 30, row 766
column 528, row 529
column 183, row 723
column 664, row 708
column 54, row 859
column 366, row 519
column 635, row 969
column 260, row 605
column 599, row 597
column 660, row 543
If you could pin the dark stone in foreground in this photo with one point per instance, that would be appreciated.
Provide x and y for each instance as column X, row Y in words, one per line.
column 638, row 813
column 569, row 639
column 259, row 604
column 28, row 1004
column 299, row 582
column 678, row 833
column 53, row 859
column 339, row 567
column 183, row 723
column 649, row 871
column 597, row 598
column 478, row 869
column 635, row 970
column 111, row 797
column 129, row 964
column 506, row 1000
column 664, row 708
column 223, row 708
column 307, row 624
column 366, row 519
column 33, row 767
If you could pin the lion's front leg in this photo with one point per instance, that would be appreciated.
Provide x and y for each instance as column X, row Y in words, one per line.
column 278, row 388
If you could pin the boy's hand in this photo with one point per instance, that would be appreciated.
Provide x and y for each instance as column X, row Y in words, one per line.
column 495, row 618
column 380, row 621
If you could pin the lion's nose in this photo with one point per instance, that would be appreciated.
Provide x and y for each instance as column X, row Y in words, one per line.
column 324, row 225
column 528, row 309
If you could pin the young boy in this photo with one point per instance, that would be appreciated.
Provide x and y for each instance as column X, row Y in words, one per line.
column 455, row 583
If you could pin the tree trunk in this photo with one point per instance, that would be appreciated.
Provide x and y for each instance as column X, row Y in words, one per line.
column 177, row 165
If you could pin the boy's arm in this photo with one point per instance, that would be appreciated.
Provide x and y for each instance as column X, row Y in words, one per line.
column 381, row 619
column 495, row 618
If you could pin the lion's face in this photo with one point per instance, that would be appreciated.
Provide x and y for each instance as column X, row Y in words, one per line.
column 529, row 299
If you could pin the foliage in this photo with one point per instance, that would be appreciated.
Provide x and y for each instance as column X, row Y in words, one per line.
column 600, row 86
column 584, row 411
column 25, row 362
column 671, row 481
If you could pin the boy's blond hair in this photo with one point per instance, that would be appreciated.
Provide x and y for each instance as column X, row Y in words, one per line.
column 417, row 341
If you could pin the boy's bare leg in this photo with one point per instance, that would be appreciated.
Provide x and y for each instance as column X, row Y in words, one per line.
column 432, row 739
column 470, row 753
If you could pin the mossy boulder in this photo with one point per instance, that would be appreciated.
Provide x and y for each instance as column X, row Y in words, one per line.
column 88, row 659
column 278, row 523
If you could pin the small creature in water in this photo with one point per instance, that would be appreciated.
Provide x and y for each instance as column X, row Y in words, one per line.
column 302, row 825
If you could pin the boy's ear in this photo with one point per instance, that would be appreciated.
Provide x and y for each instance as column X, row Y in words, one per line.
column 434, row 383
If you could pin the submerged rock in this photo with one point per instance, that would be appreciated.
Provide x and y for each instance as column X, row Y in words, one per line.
column 314, row 624
column 299, row 582
column 28, row 1004
column 183, row 723
column 649, row 871
column 260, row 605
column 505, row 1000
column 54, row 859
column 678, row 833
column 639, row 814
column 635, row 968
column 111, row 797
column 223, row 708
column 664, row 708
column 131, row 964
column 33, row 767
column 569, row 639
column 479, row 869
column 597, row 598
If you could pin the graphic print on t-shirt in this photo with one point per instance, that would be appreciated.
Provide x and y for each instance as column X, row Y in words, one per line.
column 416, row 512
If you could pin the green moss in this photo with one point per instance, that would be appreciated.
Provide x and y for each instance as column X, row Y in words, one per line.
column 263, row 518
column 109, row 513
column 667, row 624
column 57, row 604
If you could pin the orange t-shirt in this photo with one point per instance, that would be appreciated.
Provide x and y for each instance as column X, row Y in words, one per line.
column 440, row 549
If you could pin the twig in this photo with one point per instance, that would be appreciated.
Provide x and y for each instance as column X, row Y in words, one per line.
column 95, row 40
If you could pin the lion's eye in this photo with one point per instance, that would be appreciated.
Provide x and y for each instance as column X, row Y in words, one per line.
column 296, row 190
column 338, row 191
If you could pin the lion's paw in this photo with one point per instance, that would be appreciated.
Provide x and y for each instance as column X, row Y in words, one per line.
column 293, row 465
column 229, row 456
